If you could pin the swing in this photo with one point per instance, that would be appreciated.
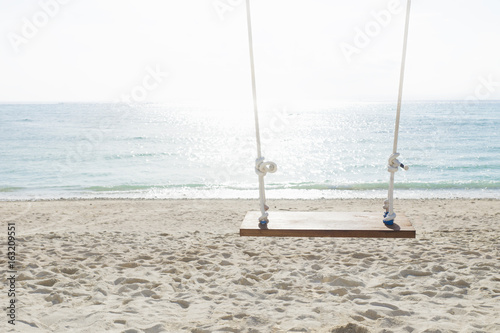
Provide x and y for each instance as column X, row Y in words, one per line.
column 326, row 224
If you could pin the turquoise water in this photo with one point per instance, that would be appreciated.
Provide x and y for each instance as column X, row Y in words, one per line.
column 176, row 151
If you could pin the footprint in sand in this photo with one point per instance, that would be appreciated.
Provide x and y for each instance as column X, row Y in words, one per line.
column 128, row 265
column 407, row 272
column 155, row 329
column 54, row 298
column 69, row 270
column 47, row 283
column 183, row 304
column 129, row 281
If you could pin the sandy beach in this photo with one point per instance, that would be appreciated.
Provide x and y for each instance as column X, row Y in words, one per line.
column 180, row 266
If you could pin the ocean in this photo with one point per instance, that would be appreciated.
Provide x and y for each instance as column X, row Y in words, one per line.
column 337, row 150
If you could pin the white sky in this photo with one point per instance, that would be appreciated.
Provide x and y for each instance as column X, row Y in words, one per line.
column 97, row 50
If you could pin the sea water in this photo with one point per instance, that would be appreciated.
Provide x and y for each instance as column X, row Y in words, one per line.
column 336, row 150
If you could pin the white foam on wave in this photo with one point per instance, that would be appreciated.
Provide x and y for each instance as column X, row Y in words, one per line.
column 190, row 193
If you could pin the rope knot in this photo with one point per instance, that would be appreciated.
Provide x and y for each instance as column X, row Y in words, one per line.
column 262, row 168
column 386, row 205
column 393, row 164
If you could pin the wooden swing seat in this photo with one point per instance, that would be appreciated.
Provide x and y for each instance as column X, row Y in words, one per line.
column 326, row 224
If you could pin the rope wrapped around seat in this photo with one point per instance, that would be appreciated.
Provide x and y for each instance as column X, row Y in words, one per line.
column 261, row 169
column 393, row 166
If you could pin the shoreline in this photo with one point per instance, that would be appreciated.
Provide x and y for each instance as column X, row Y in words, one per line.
column 493, row 195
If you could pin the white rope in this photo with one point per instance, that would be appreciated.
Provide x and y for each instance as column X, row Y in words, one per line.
column 393, row 163
column 261, row 167
column 401, row 79
column 254, row 88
